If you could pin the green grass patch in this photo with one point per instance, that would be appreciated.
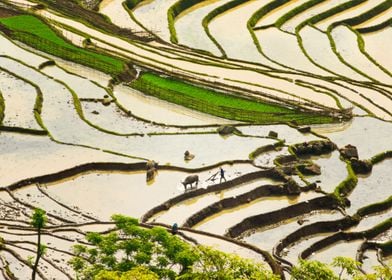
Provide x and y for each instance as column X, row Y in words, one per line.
column 220, row 104
column 375, row 207
column 34, row 32
column 380, row 157
column 348, row 185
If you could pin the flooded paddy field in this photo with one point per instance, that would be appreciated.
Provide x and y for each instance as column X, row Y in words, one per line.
column 84, row 145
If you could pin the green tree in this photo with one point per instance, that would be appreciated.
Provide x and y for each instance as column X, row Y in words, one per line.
column 38, row 221
column 131, row 246
column 306, row 270
column 134, row 252
column 216, row 265
column 346, row 264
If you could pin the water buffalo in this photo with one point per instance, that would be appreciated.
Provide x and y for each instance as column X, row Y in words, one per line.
column 190, row 180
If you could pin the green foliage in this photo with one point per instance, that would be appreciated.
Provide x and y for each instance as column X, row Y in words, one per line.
column 380, row 157
column 134, row 252
column 216, row 265
column 32, row 31
column 375, row 207
column 347, row 265
column 39, row 218
column 38, row 221
column 345, row 187
column 312, row 270
column 221, row 104
column 137, row 273
column 174, row 11
column 155, row 248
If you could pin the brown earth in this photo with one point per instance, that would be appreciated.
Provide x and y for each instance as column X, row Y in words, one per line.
column 4, row 13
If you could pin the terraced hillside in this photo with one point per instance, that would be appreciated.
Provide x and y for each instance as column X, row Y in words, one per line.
column 293, row 99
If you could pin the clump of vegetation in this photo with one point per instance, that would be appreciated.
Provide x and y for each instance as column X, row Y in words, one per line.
column 38, row 221
column 155, row 253
column 34, row 32
column 221, row 104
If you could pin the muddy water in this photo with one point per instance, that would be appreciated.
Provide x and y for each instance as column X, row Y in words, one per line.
column 345, row 249
column 113, row 119
column 227, row 247
column 346, row 43
column 153, row 16
column 370, row 261
column 368, row 222
column 33, row 196
column 274, row 15
column 234, row 77
column 383, row 101
column 19, row 270
column 75, row 39
column 19, row 98
column 376, row 45
column 348, row 13
column 267, row 238
column 159, row 111
column 83, row 87
column 219, row 223
column 237, row 38
column 292, row 253
column 333, row 171
column 190, row 31
column 291, row 24
column 181, row 212
column 317, row 46
column 284, row 49
column 58, row 107
column 267, row 159
column 118, row 14
column 19, row 53
column 369, row 135
column 122, row 193
column 127, row 193
column 372, row 188
column 72, row 67
column 24, row 156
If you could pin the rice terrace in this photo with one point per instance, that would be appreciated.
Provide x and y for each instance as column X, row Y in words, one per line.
column 195, row 139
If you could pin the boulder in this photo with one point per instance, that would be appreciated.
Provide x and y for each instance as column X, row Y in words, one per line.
column 188, row 156
column 227, row 130
column 361, row 166
column 292, row 187
column 305, row 129
column 319, row 147
column 349, row 152
column 106, row 100
column 273, row 134
column 310, row 169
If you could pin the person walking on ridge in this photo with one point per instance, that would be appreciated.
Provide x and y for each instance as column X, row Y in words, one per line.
column 222, row 175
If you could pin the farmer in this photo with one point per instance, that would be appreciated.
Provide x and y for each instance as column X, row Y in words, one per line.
column 222, row 175
column 174, row 229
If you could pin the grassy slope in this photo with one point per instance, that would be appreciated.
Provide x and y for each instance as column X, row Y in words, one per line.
column 32, row 31
column 220, row 104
